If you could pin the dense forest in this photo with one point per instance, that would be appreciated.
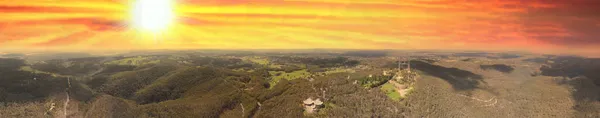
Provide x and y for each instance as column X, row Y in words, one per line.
column 238, row 84
column 183, row 86
column 22, row 86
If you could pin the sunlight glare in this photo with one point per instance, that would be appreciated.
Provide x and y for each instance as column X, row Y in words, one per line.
column 153, row 15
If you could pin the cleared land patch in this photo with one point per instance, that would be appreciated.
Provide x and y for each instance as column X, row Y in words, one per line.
column 276, row 76
column 391, row 91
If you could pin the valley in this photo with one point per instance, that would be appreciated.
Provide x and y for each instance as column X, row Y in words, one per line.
column 220, row 83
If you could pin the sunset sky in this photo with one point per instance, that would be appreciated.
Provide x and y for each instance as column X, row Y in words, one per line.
column 545, row 26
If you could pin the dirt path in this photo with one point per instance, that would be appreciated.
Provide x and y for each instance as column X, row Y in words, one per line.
column 402, row 89
column 66, row 105
column 67, row 100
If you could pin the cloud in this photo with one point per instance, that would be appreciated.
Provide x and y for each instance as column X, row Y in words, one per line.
column 68, row 40
column 91, row 23
column 47, row 9
column 535, row 25
column 569, row 23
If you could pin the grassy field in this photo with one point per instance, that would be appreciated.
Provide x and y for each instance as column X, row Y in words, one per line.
column 338, row 70
column 390, row 91
column 261, row 61
column 278, row 75
column 274, row 66
column 29, row 69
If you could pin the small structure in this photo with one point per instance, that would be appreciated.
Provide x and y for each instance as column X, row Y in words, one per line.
column 312, row 106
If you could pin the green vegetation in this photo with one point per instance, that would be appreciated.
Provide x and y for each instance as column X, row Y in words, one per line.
column 257, row 60
column 278, row 75
column 136, row 61
column 73, row 67
column 333, row 62
column 265, row 62
column 337, row 70
column 342, row 99
column 174, row 85
column 105, row 106
column 124, row 84
column 275, row 66
column 375, row 81
column 390, row 91
column 29, row 69
column 19, row 86
column 202, row 86
column 256, row 85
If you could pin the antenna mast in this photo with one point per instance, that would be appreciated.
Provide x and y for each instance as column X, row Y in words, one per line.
column 408, row 64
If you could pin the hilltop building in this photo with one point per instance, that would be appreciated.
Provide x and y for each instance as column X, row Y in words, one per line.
column 312, row 106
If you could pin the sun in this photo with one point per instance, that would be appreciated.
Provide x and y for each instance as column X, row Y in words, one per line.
column 152, row 15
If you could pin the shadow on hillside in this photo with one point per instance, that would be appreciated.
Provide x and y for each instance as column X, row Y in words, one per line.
column 585, row 96
column 498, row 67
column 582, row 75
column 504, row 56
column 459, row 79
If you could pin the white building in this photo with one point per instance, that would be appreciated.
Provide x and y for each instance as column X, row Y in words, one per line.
column 312, row 106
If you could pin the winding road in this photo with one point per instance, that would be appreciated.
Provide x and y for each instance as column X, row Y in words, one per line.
column 67, row 93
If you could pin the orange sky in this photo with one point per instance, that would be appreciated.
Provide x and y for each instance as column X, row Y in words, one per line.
column 557, row 26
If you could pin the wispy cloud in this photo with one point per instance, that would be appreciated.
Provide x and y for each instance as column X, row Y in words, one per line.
column 536, row 25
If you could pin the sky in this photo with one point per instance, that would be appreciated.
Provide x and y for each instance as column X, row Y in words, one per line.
column 544, row 26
